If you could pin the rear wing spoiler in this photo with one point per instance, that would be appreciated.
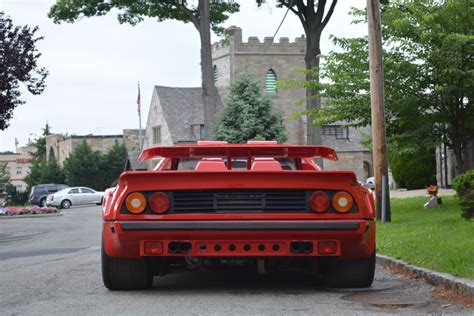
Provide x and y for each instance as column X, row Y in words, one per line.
column 230, row 151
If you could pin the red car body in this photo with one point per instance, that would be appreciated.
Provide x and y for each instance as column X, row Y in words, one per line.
column 262, row 201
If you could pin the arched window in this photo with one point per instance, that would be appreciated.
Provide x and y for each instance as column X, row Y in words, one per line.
column 270, row 82
column 51, row 154
column 214, row 73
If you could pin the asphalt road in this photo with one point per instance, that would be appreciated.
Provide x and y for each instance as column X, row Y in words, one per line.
column 51, row 266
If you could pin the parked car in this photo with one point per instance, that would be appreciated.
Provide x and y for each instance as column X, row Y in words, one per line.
column 260, row 202
column 370, row 183
column 39, row 192
column 74, row 196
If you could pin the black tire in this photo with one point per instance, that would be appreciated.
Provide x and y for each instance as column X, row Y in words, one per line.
column 350, row 273
column 125, row 274
column 101, row 202
column 65, row 204
column 42, row 202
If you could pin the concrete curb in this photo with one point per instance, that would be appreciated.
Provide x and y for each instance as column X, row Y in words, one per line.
column 459, row 285
column 30, row 216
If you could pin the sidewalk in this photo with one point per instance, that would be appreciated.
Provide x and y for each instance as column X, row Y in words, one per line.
column 421, row 192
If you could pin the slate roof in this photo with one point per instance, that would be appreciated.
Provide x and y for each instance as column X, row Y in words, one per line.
column 182, row 107
column 135, row 164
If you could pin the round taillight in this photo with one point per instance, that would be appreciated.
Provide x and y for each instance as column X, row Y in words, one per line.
column 342, row 202
column 319, row 201
column 135, row 203
column 159, row 202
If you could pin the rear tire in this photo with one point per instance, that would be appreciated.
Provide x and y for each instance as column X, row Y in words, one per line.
column 66, row 204
column 125, row 274
column 354, row 273
column 42, row 202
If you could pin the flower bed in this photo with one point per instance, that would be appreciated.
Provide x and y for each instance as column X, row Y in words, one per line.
column 28, row 210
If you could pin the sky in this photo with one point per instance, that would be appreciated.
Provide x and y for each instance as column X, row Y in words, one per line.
column 94, row 64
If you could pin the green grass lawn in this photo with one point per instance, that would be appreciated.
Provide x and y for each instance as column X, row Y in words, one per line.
column 437, row 238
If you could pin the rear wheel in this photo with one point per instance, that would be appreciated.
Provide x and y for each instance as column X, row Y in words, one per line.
column 42, row 202
column 354, row 273
column 66, row 204
column 125, row 274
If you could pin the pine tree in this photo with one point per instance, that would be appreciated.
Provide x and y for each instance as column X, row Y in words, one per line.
column 113, row 164
column 248, row 115
column 82, row 167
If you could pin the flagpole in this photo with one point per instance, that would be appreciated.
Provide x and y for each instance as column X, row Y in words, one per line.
column 139, row 118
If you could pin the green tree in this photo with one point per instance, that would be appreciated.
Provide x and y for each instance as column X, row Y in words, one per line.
column 4, row 176
column 113, row 164
column 83, row 167
column 429, row 80
column 204, row 15
column 18, row 65
column 40, row 144
column 248, row 115
column 412, row 167
column 35, row 174
column 52, row 173
column 42, row 171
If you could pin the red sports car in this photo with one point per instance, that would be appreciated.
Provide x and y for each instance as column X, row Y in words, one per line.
column 267, row 203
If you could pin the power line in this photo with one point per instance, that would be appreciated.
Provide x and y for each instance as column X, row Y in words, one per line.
column 273, row 37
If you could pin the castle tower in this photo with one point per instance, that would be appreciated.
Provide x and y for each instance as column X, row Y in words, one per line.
column 267, row 62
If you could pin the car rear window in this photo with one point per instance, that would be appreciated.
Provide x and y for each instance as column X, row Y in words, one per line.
column 237, row 163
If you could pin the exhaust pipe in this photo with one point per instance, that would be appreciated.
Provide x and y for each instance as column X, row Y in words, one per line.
column 179, row 247
column 307, row 247
column 173, row 247
column 295, row 247
column 184, row 247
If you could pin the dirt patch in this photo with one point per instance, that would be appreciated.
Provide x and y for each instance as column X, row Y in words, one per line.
column 439, row 291
column 451, row 295
column 387, row 299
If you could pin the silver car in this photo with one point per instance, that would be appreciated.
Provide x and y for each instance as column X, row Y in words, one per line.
column 74, row 196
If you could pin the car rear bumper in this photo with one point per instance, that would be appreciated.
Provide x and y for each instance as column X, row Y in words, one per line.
column 128, row 239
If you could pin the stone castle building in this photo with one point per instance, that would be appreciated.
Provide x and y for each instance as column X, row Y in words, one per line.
column 176, row 116
column 59, row 146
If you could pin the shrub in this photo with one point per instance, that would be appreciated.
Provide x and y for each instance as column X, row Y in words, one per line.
column 464, row 186
column 413, row 168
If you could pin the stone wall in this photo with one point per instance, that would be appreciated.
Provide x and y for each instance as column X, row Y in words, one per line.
column 131, row 138
column 353, row 161
column 156, row 118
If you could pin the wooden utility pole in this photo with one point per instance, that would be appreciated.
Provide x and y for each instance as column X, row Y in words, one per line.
column 379, row 142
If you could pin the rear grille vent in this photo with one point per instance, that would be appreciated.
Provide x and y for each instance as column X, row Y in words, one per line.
column 245, row 201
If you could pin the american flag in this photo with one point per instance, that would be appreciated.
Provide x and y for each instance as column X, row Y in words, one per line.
column 138, row 99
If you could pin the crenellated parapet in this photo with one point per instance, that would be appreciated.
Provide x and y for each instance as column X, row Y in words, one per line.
column 253, row 45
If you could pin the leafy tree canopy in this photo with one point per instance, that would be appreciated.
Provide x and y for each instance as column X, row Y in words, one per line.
column 18, row 64
column 429, row 82
column 248, row 115
column 133, row 11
